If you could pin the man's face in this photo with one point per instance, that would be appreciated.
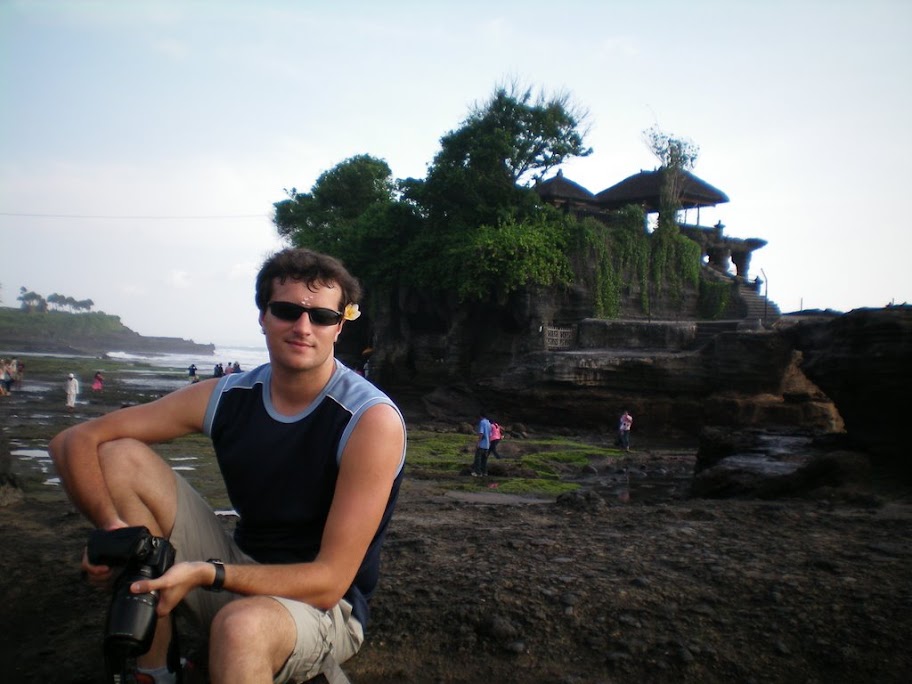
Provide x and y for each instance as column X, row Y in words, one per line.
column 301, row 345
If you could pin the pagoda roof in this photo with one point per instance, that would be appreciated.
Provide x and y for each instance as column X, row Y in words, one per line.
column 558, row 187
column 644, row 189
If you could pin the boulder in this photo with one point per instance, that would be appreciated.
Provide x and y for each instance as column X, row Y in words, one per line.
column 761, row 464
column 862, row 360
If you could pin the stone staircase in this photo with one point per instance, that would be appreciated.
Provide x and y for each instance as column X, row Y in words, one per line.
column 747, row 307
column 757, row 307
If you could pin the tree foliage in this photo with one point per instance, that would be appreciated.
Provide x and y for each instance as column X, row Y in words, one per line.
column 475, row 227
column 34, row 302
column 497, row 260
column 675, row 155
column 532, row 134
column 31, row 301
column 324, row 218
column 440, row 232
column 482, row 172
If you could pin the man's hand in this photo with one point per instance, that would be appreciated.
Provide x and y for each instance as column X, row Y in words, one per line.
column 175, row 584
column 99, row 576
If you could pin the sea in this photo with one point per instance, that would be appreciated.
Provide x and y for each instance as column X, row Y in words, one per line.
column 247, row 357
column 38, row 461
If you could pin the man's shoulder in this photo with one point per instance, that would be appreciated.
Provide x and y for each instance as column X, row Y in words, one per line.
column 355, row 392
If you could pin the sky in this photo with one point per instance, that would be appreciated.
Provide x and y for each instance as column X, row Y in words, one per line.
column 143, row 144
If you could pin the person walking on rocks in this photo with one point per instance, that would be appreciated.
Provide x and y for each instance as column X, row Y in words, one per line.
column 312, row 456
column 480, row 465
column 6, row 378
column 72, row 389
column 496, row 436
column 624, row 426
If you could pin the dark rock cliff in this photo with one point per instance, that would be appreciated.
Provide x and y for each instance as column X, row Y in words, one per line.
column 809, row 375
column 863, row 362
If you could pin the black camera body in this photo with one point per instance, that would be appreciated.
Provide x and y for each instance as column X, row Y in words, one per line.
column 131, row 617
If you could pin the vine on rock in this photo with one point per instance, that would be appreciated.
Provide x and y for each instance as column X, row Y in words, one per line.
column 620, row 251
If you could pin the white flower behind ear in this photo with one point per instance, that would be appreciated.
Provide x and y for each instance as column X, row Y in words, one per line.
column 352, row 312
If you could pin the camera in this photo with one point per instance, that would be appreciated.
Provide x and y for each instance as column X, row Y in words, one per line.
column 131, row 618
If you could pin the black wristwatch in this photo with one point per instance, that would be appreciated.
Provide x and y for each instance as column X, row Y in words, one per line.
column 219, row 580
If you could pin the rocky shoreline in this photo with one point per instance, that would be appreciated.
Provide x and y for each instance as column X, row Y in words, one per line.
column 83, row 334
column 628, row 578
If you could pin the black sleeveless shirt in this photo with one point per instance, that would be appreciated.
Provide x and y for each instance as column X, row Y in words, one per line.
column 280, row 471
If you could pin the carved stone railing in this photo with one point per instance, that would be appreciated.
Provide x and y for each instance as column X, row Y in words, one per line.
column 557, row 339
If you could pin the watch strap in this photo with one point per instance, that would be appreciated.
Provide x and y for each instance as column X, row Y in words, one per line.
column 219, row 582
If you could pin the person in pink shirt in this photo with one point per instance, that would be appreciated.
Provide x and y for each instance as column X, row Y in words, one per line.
column 626, row 423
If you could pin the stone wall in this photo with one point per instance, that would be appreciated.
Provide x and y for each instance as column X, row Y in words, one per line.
column 636, row 334
column 427, row 340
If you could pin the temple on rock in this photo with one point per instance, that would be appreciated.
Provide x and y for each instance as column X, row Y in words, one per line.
column 644, row 189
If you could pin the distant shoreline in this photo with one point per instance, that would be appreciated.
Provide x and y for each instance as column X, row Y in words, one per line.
column 90, row 334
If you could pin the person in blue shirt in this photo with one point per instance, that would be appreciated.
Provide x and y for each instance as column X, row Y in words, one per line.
column 480, row 465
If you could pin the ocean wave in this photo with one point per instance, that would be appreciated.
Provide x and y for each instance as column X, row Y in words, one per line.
column 247, row 357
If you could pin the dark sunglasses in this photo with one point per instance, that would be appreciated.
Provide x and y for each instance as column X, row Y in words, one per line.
column 288, row 311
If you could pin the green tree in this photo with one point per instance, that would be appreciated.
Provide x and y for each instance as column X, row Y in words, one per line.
column 352, row 212
column 324, row 218
column 32, row 301
column 481, row 174
column 676, row 155
column 513, row 255
column 433, row 232
column 476, row 197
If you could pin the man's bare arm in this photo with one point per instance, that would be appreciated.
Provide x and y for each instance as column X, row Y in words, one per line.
column 75, row 450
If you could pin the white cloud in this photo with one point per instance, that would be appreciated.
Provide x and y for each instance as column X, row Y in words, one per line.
column 179, row 279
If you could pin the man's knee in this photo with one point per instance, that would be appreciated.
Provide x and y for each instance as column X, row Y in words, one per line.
column 255, row 626
column 139, row 481
column 123, row 454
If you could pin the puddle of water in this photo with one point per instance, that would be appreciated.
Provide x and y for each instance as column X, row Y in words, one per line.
column 155, row 383
column 35, row 460
column 764, row 464
column 31, row 453
column 39, row 461
column 782, row 445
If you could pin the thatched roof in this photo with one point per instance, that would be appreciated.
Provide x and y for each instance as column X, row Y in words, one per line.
column 558, row 188
column 644, row 189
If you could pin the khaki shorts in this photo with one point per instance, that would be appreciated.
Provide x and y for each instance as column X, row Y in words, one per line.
column 199, row 535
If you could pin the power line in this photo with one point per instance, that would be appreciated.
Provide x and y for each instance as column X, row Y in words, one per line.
column 130, row 218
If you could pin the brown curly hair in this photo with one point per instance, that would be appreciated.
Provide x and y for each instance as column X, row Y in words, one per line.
column 309, row 267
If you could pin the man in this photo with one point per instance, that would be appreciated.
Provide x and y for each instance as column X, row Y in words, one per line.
column 312, row 458
column 480, row 465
